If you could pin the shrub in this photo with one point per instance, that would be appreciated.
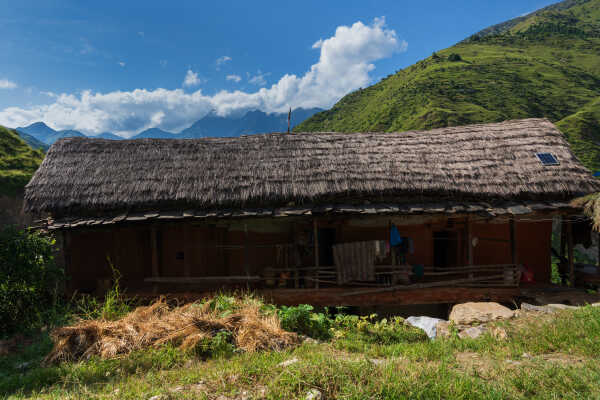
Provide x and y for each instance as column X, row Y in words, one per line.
column 30, row 281
column 301, row 319
column 454, row 57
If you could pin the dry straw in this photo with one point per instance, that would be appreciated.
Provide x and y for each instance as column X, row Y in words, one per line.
column 159, row 324
column 490, row 161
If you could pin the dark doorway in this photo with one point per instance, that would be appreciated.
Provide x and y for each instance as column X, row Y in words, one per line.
column 326, row 242
column 445, row 249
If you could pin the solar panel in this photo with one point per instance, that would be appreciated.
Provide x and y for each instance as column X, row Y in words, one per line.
column 547, row 159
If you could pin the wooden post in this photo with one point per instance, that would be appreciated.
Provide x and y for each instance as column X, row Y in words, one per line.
column 469, row 242
column 245, row 255
column 570, row 253
column 513, row 241
column 187, row 250
column 598, row 250
column 154, row 252
column 66, row 249
column 563, row 247
column 316, row 249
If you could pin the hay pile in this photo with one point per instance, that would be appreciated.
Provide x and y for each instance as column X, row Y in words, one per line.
column 158, row 324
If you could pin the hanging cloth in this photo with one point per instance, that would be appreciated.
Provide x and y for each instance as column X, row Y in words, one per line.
column 395, row 238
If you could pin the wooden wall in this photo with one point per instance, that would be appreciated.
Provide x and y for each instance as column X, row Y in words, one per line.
column 186, row 249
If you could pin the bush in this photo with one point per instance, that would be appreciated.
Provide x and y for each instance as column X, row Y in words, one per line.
column 301, row 319
column 454, row 57
column 30, row 281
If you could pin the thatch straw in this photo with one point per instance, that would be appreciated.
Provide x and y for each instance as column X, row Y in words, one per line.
column 490, row 161
column 159, row 324
column 591, row 207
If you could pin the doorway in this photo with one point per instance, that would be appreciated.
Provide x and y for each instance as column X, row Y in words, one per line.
column 445, row 249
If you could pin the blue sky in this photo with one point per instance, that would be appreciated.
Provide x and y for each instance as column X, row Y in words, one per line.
column 129, row 65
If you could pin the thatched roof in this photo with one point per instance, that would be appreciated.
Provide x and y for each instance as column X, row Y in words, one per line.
column 483, row 162
column 591, row 208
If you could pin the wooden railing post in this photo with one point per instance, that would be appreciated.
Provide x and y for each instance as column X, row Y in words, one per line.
column 316, row 243
column 570, row 253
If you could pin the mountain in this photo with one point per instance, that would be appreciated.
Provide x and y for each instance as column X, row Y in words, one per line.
column 249, row 123
column 107, row 135
column 18, row 162
column 38, row 130
column 45, row 134
column 154, row 133
column 33, row 142
column 544, row 64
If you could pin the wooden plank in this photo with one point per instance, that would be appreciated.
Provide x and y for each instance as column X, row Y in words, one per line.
column 187, row 250
column 154, row 251
column 468, row 235
column 202, row 279
column 513, row 240
column 438, row 295
column 423, row 285
column 570, row 253
column 316, row 247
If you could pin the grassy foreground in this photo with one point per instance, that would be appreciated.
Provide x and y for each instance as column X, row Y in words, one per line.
column 545, row 356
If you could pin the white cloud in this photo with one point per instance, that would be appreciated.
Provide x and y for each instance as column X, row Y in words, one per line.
column 345, row 62
column 121, row 63
column 233, row 77
column 163, row 63
column 259, row 78
column 222, row 60
column 6, row 84
column 191, row 78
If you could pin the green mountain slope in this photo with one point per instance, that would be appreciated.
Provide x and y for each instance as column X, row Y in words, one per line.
column 18, row 162
column 546, row 64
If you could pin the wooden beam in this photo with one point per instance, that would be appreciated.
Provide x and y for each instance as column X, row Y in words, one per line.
column 570, row 253
column 202, row 279
column 563, row 247
column 513, row 241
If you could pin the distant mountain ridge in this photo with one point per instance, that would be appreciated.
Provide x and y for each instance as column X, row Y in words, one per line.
column 211, row 125
column 544, row 64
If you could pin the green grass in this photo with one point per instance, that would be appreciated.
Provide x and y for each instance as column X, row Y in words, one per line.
column 545, row 66
column 18, row 162
column 360, row 361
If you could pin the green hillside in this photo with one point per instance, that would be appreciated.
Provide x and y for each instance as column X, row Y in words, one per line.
column 546, row 64
column 18, row 162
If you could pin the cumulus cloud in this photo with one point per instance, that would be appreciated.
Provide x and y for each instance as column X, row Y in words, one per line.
column 235, row 78
column 6, row 84
column 122, row 64
column 344, row 64
column 191, row 79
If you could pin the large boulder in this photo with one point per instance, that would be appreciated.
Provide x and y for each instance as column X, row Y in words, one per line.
column 479, row 313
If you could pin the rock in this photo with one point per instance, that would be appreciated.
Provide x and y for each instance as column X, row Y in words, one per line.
column 287, row 362
column 470, row 313
column 472, row 332
column 595, row 304
column 531, row 307
column 23, row 366
column 561, row 307
column 378, row 361
column 157, row 397
column 442, row 329
column 313, row 394
column 427, row 324
column 309, row 340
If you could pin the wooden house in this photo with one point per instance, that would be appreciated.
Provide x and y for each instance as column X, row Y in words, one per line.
column 316, row 217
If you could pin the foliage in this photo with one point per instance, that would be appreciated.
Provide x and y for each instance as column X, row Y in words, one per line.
column 114, row 305
column 301, row 319
column 30, row 281
column 483, row 368
column 544, row 65
column 18, row 162
column 453, row 57
column 219, row 345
